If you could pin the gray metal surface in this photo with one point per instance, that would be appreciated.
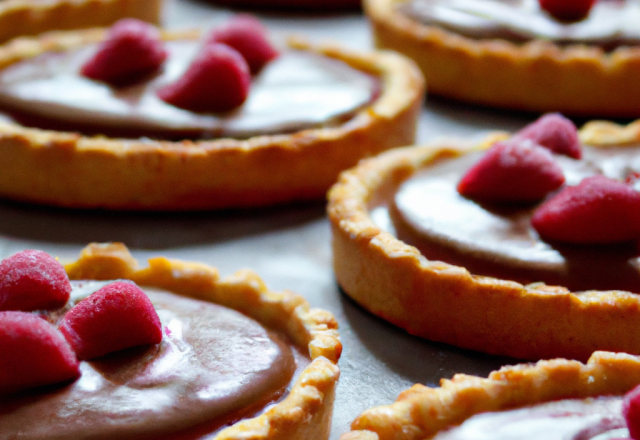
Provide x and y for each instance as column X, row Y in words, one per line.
column 289, row 247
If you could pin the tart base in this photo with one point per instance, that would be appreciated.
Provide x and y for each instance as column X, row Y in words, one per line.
column 306, row 412
column 70, row 170
column 420, row 412
column 447, row 303
column 538, row 76
column 32, row 17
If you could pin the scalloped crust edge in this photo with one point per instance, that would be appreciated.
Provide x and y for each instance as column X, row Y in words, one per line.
column 537, row 76
column 31, row 17
column 69, row 170
column 420, row 412
column 306, row 412
column 446, row 303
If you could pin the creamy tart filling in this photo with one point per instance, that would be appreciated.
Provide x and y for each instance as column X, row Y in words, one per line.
column 573, row 419
column 296, row 91
column 610, row 24
column 425, row 210
column 213, row 367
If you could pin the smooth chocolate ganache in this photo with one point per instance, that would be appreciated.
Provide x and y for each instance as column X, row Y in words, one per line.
column 573, row 419
column 297, row 90
column 610, row 24
column 213, row 367
column 427, row 211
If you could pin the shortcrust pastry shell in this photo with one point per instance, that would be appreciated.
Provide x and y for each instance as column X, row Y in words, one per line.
column 70, row 170
column 537, row 76
column 447, row 303
column 420, row 412
column 306, row 412
column 32, row 17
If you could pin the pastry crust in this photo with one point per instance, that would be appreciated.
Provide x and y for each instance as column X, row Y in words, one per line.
column 420, row 412
column 306, row 412
column 537, row 76
column 447, row 303
column 70, row 170
column 32, row 17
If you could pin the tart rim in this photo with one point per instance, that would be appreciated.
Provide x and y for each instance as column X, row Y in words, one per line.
column 308, row 407
column 133, row 174
column 446, row 303
column 420, row 412
column 28, row 17
column 537, row 76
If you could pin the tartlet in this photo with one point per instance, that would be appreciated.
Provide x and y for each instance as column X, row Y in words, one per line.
column 533, row 75
column 304, row 413
column 447, row 303
column 32, row 17
column 422, row 412
column 71, row 170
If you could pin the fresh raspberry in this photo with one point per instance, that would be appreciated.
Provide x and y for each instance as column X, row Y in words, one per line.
column 512, row 171
column 554, row 132
column 118, row 316
column 597, row 211
column 218, row 80
column 33, row 280
column 247, row 35
column 34, row 353
column 631, row 412
column 567, row 10
column 131, row 50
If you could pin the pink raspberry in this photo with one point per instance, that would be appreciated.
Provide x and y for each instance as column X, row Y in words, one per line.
column 247, row 35
column 34, row 353
column 512, row 171
column 597, row 211
column 218, row 80
column 118, row 316
column 554, row 132
column 33, row 280
column 131, row 50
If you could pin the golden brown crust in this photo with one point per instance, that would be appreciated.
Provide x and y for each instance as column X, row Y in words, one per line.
column 309, row 406
column 537, row 76
column 446, row 303
column 70, row 170
column 32, row 17
column 420, row 412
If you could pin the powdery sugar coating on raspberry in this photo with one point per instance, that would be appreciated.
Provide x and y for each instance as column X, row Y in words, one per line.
column 118, row 316
column 33, row 353
column 597, row 211
column 512, row 171
column 631, row 412
column 132, row 49
column 247, row 35
column 218, row 80
column 33, row 280
column 554, row 132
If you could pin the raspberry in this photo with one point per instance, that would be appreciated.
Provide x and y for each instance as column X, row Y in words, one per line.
column 33, row 280
column 34, row 353
column 631, row 411
column 597, row 211
column 554, row 132
column 218, row 80
column 567, row 10
column 131, row 50
column 118, row 316
column 247, row 35
column 512, row 171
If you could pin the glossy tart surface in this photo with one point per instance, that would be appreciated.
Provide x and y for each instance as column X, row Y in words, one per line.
column 437, row 297
column 510, row 54
column 32, row 17
column 548, row 387
column 253, row 167
column 226, row 368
